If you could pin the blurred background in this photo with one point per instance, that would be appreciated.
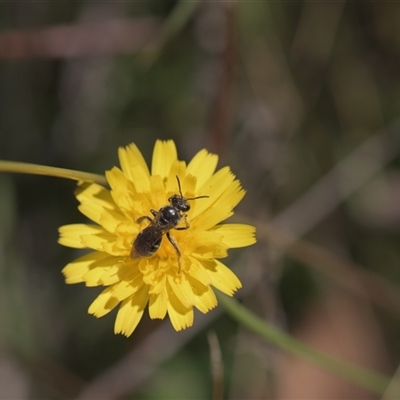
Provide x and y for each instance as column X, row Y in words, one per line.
column 301, row 99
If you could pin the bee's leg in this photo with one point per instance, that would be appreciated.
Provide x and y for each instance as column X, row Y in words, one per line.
column 154, row 212
column 139, row 220
column 172, row 241
column 187, row 225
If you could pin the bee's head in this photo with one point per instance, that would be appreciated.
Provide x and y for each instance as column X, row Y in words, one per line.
column 179, row 202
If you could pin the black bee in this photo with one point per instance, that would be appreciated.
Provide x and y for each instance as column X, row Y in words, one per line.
column 148, row 240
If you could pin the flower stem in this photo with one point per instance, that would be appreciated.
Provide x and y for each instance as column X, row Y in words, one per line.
column 365, row 378
column 35, row 169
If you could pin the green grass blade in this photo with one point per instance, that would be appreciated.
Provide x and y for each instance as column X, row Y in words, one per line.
column 365, row 378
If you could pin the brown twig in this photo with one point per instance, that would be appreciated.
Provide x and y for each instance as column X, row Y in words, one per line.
column 217, row 369
column 69, row 41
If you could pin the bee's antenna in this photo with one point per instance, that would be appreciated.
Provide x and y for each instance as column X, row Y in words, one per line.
column 198, row 197
column 189, row 198
column 179, row 185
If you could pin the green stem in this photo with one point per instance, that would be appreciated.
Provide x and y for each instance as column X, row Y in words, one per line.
column 365, row 378
column 24, row 168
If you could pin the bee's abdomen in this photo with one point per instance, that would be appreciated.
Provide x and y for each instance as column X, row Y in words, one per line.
column 146, row 243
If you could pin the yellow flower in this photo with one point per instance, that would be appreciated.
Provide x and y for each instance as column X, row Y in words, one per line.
column 165, row 281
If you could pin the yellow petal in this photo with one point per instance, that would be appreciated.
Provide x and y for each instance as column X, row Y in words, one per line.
column 158, row 305
column 232, row 195
column 202, row 238
column 236, row 235
column 104, row 303
column 109, row 219
column 197, row 271
column 75, row 270
column 220, row 210
column 119, row 227
column 129, row 157
column 118, row 181
column 214, row 188
column 110, row 276
column 208, row 252
column 122, row 190
column 181, row 288
column 123, row 270
column 156, row 280
column 181, row 317
column 164, row 155
column 71, row 235
column 205, row 299
column 94, row 277
column 199, row 242
column 128, row 286
column 131, row 311
column 189, row 188
column 202, row 166
column 222, row 277
column 211, row 217
column 207, row 244
column 105, row 241
column 118, row 246
column 177, row 171
column 94, row 192
column 140, row 179
column 125, row 195
column 158, row 193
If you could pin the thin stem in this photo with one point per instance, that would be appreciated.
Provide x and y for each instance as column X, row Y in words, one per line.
column 365, row 378
column 35, row 169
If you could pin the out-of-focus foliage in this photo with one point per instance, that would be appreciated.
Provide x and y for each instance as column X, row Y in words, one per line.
column 284, row 92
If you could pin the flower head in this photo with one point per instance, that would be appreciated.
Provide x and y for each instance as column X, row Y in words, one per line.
column 171, row 270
